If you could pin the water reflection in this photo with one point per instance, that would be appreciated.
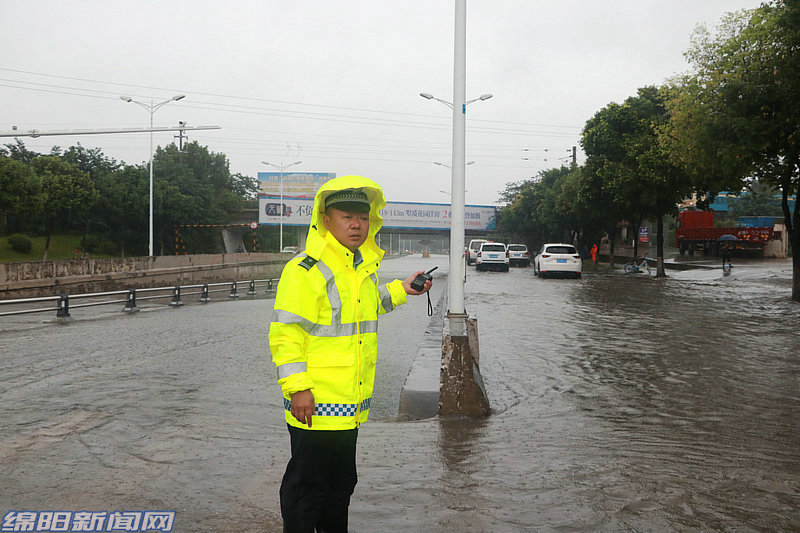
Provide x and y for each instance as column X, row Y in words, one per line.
column 661, row 404
column 462, row 449
column 697, row 390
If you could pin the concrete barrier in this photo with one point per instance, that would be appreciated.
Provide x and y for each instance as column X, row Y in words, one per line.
column 419, row 397
column 32, row 279
column 445, row 376
column 461, row 389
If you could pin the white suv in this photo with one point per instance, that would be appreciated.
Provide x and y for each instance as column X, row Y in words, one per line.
column 492, row 255
column 472, row 250
column 518, row 254
column 557, row 259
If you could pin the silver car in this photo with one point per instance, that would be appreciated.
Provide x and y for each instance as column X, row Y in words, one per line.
column 518, row 254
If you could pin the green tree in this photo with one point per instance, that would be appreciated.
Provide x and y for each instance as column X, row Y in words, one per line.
column 600, row 208
column 758, row 199
column 67, row 192
column 101, row 219
column 120, row 215
column 195, row 186
column 736, row 115
column 634, row 169
column 539, row 209
column 20, row 190
column 18, row 152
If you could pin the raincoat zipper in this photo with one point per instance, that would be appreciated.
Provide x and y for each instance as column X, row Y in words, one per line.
column 358, row 346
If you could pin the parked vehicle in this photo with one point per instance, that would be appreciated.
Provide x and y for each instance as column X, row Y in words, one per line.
column 290, row 250
column 695, row 231
column 518, row 254
column 492, row 256
column 472, row 250
column 557, row 259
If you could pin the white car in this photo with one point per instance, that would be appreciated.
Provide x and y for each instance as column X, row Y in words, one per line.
column 472, row 250
column 492, row 256
column 557, row 259
column 290, row 250
column 518, row 254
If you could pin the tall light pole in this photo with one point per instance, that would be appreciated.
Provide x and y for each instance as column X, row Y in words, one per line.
column 281, row 167
column 152, row 108
column 459, row 107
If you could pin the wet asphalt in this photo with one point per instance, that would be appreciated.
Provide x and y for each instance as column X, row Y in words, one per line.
column 620, row 403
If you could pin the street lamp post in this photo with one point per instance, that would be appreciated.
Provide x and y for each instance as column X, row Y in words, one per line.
column 152, row 108
column 281, row 167
column 457, row 203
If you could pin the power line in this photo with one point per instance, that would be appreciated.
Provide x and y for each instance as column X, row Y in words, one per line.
column 257, row 99
column 347, row 119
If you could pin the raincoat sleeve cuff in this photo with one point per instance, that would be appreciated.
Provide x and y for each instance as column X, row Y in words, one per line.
column 295, row 383
column 397, row 292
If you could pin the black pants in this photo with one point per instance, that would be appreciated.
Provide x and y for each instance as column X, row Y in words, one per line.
column 319, row 480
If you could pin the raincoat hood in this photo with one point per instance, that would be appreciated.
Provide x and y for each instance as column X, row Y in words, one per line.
column 319, row 237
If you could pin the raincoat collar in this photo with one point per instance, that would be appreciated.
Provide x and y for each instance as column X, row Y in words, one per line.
column 319, row 239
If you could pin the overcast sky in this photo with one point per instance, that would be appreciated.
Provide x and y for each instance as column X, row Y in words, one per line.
column 336, row 83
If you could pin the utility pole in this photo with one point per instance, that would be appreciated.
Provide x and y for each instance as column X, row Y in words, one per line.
column 180, row 136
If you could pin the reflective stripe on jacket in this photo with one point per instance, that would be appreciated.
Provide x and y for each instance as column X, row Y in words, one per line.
column 323, row 334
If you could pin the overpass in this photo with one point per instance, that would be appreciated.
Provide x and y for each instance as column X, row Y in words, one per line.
column 407, row 226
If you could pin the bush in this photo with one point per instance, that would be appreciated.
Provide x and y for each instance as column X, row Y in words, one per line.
column 107, row 248
column 93, row 244
column 20, row 243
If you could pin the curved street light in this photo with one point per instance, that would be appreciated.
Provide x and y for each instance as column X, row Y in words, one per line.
column 448, row 166
column 429, row 96
column 457, row 186
column 152, row 108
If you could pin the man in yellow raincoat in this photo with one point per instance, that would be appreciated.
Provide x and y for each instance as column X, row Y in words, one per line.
column 323, row 339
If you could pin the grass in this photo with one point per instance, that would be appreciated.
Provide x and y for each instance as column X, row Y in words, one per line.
column 61, row 247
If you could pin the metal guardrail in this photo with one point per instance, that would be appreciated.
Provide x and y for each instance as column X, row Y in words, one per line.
column 64, row 302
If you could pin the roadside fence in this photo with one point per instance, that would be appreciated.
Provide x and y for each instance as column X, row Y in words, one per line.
column 63, row 303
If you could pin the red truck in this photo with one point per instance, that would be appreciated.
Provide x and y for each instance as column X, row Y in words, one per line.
column 695, row 231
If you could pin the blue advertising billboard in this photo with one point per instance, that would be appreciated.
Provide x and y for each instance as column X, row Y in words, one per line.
column 405, row 215
column 297, row 184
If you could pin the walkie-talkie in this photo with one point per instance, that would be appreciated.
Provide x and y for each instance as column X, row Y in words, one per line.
column 419, row 282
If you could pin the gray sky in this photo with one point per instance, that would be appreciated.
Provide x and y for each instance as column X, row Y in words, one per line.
column 336, row 84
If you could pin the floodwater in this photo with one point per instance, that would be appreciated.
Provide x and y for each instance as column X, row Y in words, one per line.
column 620, row 403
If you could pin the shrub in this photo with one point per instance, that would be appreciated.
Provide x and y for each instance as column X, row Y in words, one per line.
column 107, row 248
column 20, row 243
column 90, row 243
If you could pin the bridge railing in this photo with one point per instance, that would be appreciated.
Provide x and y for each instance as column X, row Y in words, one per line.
column 64, row 303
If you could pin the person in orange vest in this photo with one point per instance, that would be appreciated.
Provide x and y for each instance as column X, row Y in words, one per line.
column 593, row 253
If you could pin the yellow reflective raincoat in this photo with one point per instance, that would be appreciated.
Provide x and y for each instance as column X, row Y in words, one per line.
column 324, row 330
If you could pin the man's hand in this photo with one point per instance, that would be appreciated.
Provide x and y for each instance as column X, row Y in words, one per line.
column 412, row 277
column 303, row 406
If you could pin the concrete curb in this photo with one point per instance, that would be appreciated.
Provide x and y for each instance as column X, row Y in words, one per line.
column 419, row 397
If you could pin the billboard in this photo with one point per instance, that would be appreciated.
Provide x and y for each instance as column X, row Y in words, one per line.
column 401, row 215
column 644, row 234
column 298, row 184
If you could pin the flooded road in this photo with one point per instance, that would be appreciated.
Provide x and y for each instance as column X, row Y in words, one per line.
column 620, row 403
